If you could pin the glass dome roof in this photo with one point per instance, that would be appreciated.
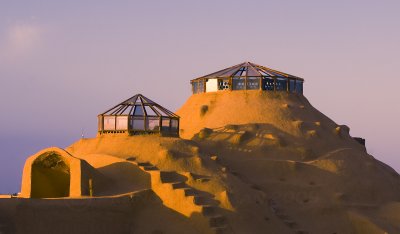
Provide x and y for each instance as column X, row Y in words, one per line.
column 248, row 69
column 140, row 105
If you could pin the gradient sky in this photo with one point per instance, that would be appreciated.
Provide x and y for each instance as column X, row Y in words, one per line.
column 62, row 63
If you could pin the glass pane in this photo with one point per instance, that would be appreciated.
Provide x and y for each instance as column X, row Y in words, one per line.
column 174, row 124
column 137, row 124
column 292, row 87
column 150, row 111
column 244, row 73
column 165, row 122
column 263, row 73
column 225, row 72
column 131, row 100
column 281, row 84
column 153, row 124
column 253, row 83
column 138, row 110
column 109, row 122
column 252, row 72
column 268, row 84
column 131, row 109
column 195, row 85
column 299, row 86
column 223, row 84
column 115, row 110
column 160, row 111
column 122, row 122
column 239, row 72
column 200, row 87
column 124, row 111
column 238, row 83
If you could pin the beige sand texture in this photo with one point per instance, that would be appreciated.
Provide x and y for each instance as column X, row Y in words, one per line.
column 249, row 162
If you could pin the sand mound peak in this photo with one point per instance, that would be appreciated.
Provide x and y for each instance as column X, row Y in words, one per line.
column 248, row 162
column 248, row 107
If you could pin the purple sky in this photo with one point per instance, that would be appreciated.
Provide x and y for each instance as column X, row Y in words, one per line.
column 63, row 63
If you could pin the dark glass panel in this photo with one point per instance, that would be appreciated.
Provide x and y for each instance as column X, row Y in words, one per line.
column 253, row 83
column 137, row 123
column 268, row 84
column 195, row 85
column 292, row 86
column 238, row 83
column 299, row 87
column 281, row 84
column 200, row 87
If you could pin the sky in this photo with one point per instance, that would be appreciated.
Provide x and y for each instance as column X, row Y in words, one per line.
column 64, row 62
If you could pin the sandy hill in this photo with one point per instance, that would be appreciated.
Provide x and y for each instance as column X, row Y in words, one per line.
column 247, row 162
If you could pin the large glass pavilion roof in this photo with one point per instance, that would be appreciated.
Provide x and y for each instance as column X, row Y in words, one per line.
column 140, row 105
column 248, row 69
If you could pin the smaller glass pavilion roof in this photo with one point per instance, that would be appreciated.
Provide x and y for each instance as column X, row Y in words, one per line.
column 140, row 105
column 248, row 69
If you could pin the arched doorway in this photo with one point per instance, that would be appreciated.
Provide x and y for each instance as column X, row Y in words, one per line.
column 50, row 176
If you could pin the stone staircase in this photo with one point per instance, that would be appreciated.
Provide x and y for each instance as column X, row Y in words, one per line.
column 170, row 186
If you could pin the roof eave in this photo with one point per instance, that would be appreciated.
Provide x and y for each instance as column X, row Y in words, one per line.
column 222, row 77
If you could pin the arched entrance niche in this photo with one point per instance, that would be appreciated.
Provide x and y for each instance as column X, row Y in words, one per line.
column 50, row 176
column 53, row 172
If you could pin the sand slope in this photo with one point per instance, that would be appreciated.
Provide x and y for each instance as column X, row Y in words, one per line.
column 263, row 162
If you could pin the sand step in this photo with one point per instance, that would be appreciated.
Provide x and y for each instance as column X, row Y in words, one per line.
column 301, row 232
column 217, row 221
column 203, row 201
column 171, row 177
column 149, row 168
column 179, row 185
column 144, row 164
column 209, row 210
column 132, row 159
column 282, row 216
column 189, row 192
column 290, row 223
column 220, row 230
